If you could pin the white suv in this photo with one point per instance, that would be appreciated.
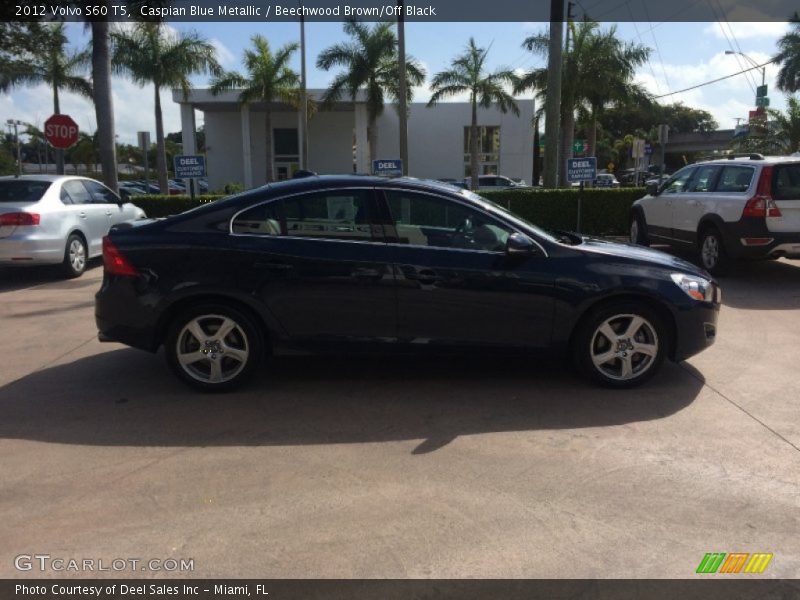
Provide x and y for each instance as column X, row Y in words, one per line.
column 734, row 208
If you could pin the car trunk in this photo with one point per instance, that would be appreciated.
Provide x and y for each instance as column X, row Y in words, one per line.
column 19, row 195
column 786, row 196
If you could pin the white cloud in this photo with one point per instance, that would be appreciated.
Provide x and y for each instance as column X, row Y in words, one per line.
column 224, row 55
column 727, row 100
column 746, row 30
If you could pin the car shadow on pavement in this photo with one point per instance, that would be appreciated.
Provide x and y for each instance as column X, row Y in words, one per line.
column 126, row 397
column 20, row 278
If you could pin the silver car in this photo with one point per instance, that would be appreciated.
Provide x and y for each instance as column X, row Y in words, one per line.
column 57, row 219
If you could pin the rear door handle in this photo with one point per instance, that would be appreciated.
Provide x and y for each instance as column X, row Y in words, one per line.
column 425, row 276
column 367, row 273
column 272, row 266
column 82, row 215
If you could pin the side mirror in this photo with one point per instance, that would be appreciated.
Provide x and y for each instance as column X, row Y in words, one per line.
column 652, row 189
column 519, row 244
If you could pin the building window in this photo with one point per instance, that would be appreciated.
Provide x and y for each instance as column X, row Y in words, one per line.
column 287, row 153
column 488, row 150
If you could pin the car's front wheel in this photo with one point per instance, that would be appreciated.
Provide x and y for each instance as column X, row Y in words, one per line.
column 214, row 347
column 621, row 345
column 75, row 256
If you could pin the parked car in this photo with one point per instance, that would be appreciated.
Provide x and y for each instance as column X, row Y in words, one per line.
column 350, row 261
column 729, row 209
column 128, row 189
column 606, row 180
column 657, row 181
column 459, row 183
column 494, row 182
column 56, row 219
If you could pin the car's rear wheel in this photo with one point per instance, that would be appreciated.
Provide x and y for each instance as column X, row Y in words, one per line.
column 214, row 347
column 621, row 345
column 75, row 256
column 638, row 231
column 713, row 256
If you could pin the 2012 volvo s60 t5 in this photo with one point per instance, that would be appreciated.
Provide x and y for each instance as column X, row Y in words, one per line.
column 351, row 261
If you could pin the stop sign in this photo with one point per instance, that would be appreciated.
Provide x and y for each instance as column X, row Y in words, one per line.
column 61, row 131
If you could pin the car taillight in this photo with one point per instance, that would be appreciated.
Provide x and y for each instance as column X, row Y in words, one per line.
column 114, row 262
column 20, row 218
column 762, row 204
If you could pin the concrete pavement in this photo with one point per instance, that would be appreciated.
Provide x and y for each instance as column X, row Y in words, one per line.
column 350, row 467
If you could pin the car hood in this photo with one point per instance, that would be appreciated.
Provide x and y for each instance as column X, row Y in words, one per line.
column 641, row 254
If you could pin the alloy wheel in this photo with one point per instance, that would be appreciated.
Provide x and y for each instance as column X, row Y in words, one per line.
column 710, row 251
column 212, row 348
column 624, row 347
column 77, row 255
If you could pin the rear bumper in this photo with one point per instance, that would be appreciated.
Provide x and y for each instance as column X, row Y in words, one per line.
column 26, row 251
column 750, row 238
column 696, row 330
column 122, row 316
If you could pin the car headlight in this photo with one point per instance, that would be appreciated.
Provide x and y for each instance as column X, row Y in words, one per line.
column 694, row 286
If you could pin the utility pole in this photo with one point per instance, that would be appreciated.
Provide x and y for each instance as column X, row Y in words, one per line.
column 553, row 102
column 15, row 123
column 401, row 57
column 304, row 98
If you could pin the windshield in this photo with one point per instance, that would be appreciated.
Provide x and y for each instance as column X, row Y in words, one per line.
column 19, row 190
column 508, row 214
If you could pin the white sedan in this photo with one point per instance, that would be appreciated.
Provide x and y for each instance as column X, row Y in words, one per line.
column 57, row 219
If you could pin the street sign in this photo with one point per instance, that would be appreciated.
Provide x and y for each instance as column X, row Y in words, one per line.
column 582, row 169
column 761, row 91
column 648, row 149
column 387, row 167
column 188, row 166
column 579, row 146
column 762, row 101
column 61, row 132
column 143, row 137
column 637, row 148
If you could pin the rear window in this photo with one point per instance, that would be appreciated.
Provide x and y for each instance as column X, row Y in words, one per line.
column 786, row 182
column 735, row 179
column 22, row 191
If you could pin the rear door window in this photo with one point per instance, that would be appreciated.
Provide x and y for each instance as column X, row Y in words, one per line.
column 735, row 179
column 77, row 191
column 22, row 191
column 786, row 182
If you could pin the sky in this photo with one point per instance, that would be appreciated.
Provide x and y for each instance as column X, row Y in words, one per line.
column 683, row 55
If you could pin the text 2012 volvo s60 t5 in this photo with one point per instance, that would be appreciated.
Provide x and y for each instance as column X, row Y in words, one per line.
column 338, row 261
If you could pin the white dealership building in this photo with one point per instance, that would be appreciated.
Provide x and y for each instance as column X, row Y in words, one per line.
column 337, row 138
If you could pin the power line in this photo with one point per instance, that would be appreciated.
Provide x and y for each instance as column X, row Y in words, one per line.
column 699, row 85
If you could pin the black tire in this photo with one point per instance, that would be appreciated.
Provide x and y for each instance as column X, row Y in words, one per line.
column 638, row 230
column 76, row 255
column 231, row 360
column 591, row 345
column 713, row 256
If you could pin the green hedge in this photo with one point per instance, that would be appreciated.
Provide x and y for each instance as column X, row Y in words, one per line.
column 158, row 205
column 603, row 211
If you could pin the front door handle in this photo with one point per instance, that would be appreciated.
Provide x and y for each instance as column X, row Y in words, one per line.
column 82, row 215
column 272, row 266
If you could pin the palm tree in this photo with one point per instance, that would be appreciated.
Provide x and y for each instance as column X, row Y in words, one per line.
column 54, row 66
column 467, row 74
column 789, row 57
column 269, row 78
column 104, row 102
column 370, row 63
column 152, row 54
column 598, row 70
column 787, row 125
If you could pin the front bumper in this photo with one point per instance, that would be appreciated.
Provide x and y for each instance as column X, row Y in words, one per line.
column 695, row 329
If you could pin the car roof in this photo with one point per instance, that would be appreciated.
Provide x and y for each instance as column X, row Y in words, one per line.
column 768, row 160
column 34, row 177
